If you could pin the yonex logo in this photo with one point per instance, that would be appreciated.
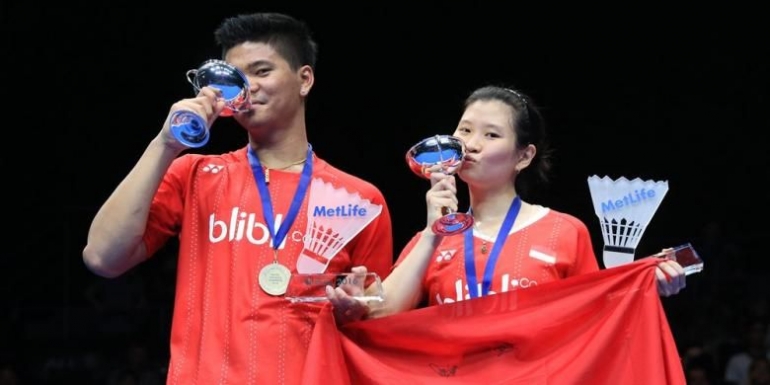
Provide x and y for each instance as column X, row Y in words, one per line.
column 445, row 255
column 212, row 168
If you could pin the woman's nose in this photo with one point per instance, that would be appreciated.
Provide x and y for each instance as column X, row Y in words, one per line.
column 471, row 144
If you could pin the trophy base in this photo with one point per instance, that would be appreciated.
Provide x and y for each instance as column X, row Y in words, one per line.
column 311, row 288
column 452, row 224
column 686, row 256
column 189, row 129
column 305, row 299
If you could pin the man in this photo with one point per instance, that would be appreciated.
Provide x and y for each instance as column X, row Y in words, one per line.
column 246, row 219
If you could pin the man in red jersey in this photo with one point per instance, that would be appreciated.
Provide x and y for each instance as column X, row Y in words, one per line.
column 246, row 219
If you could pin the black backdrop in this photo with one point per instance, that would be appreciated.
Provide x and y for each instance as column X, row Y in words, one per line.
column 635, row 93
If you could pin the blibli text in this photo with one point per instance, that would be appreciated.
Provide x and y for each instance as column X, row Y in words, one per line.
column 241, row 225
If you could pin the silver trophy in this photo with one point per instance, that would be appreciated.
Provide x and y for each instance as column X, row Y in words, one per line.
column 190, row 128
column 445, row 154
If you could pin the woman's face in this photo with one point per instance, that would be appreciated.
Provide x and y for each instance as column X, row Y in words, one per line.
column 486, row 127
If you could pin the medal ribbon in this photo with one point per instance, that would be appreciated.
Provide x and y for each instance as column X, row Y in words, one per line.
column 470, row 261
column 267, row 205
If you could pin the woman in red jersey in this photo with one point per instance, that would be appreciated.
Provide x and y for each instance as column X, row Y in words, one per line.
column 513, row 244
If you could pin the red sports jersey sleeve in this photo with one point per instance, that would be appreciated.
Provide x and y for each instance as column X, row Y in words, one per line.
column 585, row 259
column 167, row 208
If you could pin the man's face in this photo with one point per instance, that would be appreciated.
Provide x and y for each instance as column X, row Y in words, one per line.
column 276, row 91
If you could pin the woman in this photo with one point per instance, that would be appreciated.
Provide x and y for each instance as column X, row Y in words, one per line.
column 513, row 244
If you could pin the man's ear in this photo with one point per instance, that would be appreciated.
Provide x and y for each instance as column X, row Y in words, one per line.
column 307, row 76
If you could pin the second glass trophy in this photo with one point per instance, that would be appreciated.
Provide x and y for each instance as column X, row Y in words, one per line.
column 312, row 287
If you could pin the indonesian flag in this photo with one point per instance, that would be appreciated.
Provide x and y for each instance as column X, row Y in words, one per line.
column 607, row 327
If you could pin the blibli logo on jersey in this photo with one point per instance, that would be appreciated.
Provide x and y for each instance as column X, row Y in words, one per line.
column 506, row 284
column 242, row 225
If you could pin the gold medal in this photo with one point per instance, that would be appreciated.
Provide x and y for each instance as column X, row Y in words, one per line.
column 274, row 278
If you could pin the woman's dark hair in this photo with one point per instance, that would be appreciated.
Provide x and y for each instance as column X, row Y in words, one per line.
column 529, row 127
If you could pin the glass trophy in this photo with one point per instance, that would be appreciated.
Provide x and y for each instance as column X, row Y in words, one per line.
column 441, row 153
column 686, row 256
column 190, row 128
column 312, row 287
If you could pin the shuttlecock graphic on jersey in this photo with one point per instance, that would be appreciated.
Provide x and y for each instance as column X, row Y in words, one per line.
column 625, row 208
column 335, row 216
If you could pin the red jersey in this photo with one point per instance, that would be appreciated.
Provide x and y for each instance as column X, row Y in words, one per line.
column 225, row 328
column 552, row 246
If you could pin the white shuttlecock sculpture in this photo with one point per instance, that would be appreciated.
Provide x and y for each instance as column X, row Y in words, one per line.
column 625, row 208
column 335, row 216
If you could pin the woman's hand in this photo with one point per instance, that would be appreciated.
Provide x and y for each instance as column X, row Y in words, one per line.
column 670, row 274
column 441, row 199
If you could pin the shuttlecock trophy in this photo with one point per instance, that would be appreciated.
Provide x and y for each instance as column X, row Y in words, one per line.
column 335, row 216
column 625, row 208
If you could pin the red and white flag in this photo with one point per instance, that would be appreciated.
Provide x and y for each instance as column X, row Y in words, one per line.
column 607, row 327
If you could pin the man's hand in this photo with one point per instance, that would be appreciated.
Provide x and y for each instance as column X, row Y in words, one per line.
column 346, row 307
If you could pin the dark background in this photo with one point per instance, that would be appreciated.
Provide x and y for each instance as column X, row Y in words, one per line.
column 646, row 93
